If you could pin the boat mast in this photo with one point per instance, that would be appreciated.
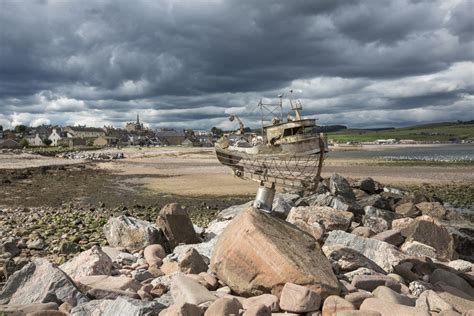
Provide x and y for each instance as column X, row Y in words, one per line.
column 295, row 106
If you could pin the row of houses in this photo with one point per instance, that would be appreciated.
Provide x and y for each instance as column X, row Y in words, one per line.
column 77, row 136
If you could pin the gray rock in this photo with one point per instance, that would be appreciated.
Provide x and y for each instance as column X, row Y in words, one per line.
column 327, row 217
column 461, row 265
column 90, row 262
column 36, row 244
column 371, row 282
column 387, row 294
column 417, row 249
column 375, row 201
column 125, row 306
column 432, row 302
column 451, row 279
column 92, row 308
column 232, row 211
column 131, row 233
column 205, row 249
column 383, row 254
column 361, row 271
column 40, row 282
column 369, row 185
column 389, row 216
column 20, row 310
column 347, row 259
column 339, row 186
column 141, row 275
column 282, row 204
column 418, row 287
column 342, row 204
column 407, row 209
column 376, row 224
column 391, row 236
column 431, row 234
column 10, row 246
column 433, row 209
column 323, row 199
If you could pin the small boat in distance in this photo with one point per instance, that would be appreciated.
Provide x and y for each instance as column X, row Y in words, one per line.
column 290, row 152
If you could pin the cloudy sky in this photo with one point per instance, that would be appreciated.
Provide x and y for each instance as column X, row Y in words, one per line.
column 191, row 63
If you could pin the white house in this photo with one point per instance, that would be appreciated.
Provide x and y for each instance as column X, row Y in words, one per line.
column 35, row 140
column 57, row 135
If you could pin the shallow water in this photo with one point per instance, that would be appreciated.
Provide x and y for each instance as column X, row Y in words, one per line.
column 443, row 153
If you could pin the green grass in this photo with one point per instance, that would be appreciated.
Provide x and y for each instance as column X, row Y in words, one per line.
column 430, row 132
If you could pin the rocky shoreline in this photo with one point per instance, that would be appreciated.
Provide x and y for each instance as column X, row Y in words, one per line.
column 351, row 248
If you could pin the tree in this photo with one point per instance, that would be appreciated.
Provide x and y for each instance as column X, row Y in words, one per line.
column 1, row 128
column 47, row 141
column 20, row 129
column 189, row 131
column 24, row 142
column 217, row 131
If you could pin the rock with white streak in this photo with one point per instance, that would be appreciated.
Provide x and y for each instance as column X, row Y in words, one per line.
column 40, row 282
column 418, row 249
column 131, row 233
column 383, row 254
column 125, row 306
column 90, row 262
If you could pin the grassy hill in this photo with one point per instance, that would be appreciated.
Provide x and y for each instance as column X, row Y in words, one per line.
column 446, row 131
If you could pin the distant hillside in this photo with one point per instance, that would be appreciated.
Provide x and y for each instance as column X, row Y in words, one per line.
column 444, row 131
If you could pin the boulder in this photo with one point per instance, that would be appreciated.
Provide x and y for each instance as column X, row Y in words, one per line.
column 90, row 262
column 323, row 199
column 187, row 290
column 183, row 309
column 431, row 234
column 327, row 217
column 433, row 209
column 192, row 262
column 376, row 224
column 375, row 201
column 432, row 302
column 131, row 233
column 105, row 282
column 205, row 249
column 10, row 246
column 257, row 310
column 371, row 282
column 388, row 216
column 348, row 259
column 362, row 231
column 343, row 204
column 92, row 308
column 460, row 301
column 334, row 304
column 401, row 223
column 174, row 220
column 391, row 236
column 461, row 265
column 40, row 282
column 339, row 186
column 390, row 309
column 407, row 209
column 28, row 308
column 125, row 306
column 387, row 294
column 224, row 306
column 232, row 211
column 268, row 300
column 299, row 299
column 451, row 279
column 154, row 254
column 383, row 254
column 417, row 249
column 356, row 298
column 369, row 185
column 259, row 252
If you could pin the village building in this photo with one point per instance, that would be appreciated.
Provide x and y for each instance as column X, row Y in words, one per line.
column 72, row 142
column 134, row 126
column 34, row 141
column 56, row 135
column 171, row 137
column 104, row 141
column 85, row 132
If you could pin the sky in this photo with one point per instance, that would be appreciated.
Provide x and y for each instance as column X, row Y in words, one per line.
column 190, row 64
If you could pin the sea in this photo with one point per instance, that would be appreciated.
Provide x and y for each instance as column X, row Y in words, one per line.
column 437, row 153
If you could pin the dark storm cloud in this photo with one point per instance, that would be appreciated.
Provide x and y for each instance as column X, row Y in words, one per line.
column 178, row 61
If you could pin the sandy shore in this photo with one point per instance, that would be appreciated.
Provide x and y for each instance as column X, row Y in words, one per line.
column 195, row 171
